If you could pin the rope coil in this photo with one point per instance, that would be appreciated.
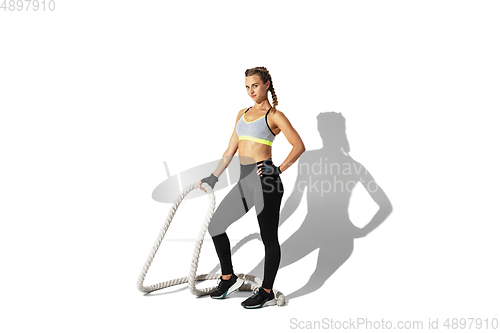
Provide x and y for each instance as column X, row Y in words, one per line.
column 256, row 282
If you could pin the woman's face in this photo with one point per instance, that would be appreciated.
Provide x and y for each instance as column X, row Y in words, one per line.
column 256, row 89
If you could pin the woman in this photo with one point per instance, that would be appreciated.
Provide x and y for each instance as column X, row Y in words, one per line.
column 259, row 185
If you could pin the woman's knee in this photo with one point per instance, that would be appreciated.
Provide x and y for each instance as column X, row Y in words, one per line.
column 215, row 229
column 271, row 242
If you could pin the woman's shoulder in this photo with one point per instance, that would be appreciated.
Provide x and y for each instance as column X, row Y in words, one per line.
column 244, row 109
column 240, row 113
column 277, row 114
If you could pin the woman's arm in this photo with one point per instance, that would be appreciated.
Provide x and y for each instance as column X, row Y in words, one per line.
column 229, row 153
column 292, row 136
column 232, row 148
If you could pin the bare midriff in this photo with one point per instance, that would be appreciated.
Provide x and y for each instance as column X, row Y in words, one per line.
column 251, row 152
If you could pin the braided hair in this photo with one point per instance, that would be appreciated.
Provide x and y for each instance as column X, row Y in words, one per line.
column 264, row 75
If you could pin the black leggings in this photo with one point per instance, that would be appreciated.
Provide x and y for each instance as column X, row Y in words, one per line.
column 265, row 193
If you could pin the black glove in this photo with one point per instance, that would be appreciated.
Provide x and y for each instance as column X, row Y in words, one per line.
column 269, row 169
column 210, row 180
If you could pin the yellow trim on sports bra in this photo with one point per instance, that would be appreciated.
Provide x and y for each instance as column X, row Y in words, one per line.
column 250, row 138
column 248, row 122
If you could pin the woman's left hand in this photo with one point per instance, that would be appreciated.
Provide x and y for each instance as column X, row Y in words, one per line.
column 268, row 170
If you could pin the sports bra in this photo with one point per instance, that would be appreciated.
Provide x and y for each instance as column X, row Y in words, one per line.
column 257, row 130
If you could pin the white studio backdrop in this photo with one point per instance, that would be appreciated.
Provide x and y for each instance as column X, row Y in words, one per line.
column 96, row 96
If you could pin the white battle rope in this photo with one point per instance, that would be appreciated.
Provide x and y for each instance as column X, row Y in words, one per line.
column 257, row 282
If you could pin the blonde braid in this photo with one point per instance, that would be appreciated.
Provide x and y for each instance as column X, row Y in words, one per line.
column 273, row 94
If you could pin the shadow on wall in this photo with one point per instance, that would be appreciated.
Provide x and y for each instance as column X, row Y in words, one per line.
column 327, row 176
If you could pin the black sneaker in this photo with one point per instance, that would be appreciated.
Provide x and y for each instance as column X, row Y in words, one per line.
column 259, row 299
column 226, row 287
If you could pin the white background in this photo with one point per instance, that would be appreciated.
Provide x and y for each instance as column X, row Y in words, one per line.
column 95, row 95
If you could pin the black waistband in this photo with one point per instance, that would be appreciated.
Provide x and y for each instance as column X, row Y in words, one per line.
column 248, row 168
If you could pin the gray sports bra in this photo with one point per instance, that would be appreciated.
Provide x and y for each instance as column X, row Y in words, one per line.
column 257, row 130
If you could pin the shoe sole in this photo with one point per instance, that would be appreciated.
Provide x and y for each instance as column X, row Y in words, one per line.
column 267, row 303
column 232, row 289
